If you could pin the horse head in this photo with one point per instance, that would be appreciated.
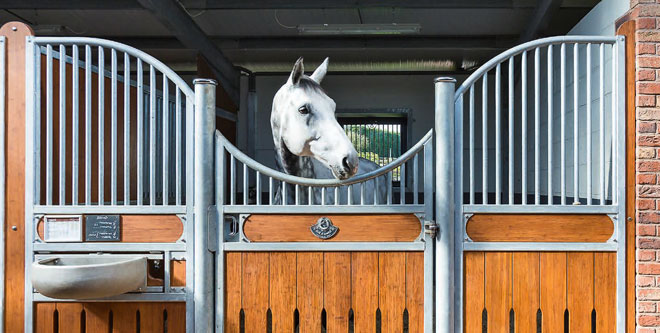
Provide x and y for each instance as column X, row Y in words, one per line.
column 304, row 124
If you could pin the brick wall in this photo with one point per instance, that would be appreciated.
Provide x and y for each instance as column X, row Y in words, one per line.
column 646, row 13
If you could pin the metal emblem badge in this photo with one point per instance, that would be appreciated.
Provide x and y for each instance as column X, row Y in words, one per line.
column 324, row 229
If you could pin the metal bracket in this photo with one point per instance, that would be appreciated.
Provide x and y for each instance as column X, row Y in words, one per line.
column 431, row 228
column 615, row 220
column 182, row 217
column 212, row 225
column 241, row 220
column 466, row 218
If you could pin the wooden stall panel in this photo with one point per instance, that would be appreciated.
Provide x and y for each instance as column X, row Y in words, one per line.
column 255, row 290
column 177, row 273
column 605, row 291
column 392, row 281
column 498, row 290
column 97, row 317
column 474, row 283
column 337, row 290
column 44, row 314
column 282, row 290
column 415, row 291
column 233, row 291
column 553, row 290
column 309, row 297
column 70, row 316
column 539, row 228
column 525, row 290
column 352, row 228
column 580, row 290
column 364, row 294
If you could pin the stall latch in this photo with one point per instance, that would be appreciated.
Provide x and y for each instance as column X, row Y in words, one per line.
column 431, row 228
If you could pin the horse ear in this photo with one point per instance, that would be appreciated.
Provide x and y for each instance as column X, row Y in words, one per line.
column 320, row 72
column 297, row 72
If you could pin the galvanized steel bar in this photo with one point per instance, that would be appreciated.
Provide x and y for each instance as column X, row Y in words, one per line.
column 444, row 204
column 166, row 141
column 232, row 180
column 537, row 126
column 498, row 136
column 220, row 176
column 613, row 135
column 258, row 180
column 127, row 129
column 415, row 182
column 177, row 156
column 203, row 199
column 246, row 184
column 49, row 124
column 62, row 135
column 471, row 147
column 511, row 131
column 402, row 184
column 152, row 135
column 576, row 160
column 113, row 127
column 601, row 124
column 562, row 126
column 88, row 125
column 484, row 138
column 550, row 128
column 523, row 130
column 140, row 132
column 101, row 125
column 588, row 111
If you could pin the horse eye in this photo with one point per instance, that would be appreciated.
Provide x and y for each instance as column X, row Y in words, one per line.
column 303, row 109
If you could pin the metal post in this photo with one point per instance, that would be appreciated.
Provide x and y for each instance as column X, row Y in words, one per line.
column 444, row 203
column 203, row 199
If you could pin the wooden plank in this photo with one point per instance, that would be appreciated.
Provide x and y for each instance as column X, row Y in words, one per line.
column 15, row 174
column 539, row 228
column 474, row 284
column 70, row 315
column 337, row 290
column 498, row 294
column 97, row 317
column 282, row 290
column 392, row 290
column 152, row 317
column 580, row 290
column 176, row 317
column 628, row 29
column 309, row 293
column 364, row 294
column 415, row 291
column 177, row 273
column 124, row 317
column 144, row 228
column 255, row 290
column 605, row 291
column 553, row 290
column 233, row 291
column 44, row 317
column 525, row 290
column 352, row 228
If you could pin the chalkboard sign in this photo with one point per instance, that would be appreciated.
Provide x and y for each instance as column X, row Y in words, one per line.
column 102, row 228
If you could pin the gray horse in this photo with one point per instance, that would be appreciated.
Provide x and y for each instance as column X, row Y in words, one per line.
column 310, row 143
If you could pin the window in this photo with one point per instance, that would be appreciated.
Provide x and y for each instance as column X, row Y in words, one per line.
column 378, row 139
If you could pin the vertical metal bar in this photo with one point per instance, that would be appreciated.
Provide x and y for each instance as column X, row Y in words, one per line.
column 349, row 190
column 389, row 186
column 62, row 135
column 444, row 203
column 177, row 156
column 415, row 181
column 562, row 110
column 550, row 129
column 270, row 190
column 471, row 148
column 429, row 256
column 402, row 184
column 619, row 92
column 258, row 179
column 245, row 184
column 88, row 125
column 295, row 197
column 101, row 120
column 362, row 192
column 336, row 196
column 203, row 199
column 537, row 126
column 498, row 136
column 166, row 140
column 284, row 194
column 523, row 111
column 457, row 221
column 75, row 125
column 309, row 195
column 49, row 125
column 232, row 180
column 140, row 132
column 113, row 128
column 589, row 143
column 601, row 125
column 511, row 131
column 152, row 135
column 220, row 176
column 484, row 138
column 576, row 160
column 127, row 129
column 614, row 135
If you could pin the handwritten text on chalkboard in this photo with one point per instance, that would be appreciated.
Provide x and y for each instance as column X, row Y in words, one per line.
column 102, row 228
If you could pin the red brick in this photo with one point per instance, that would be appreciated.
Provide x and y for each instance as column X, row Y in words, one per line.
column 649, row 243
column 646, row 230
column 648, row 113
column 646, row 23
column 646, row 179
column 646, row 307
column 646, row 74
column 646, row 127
column 648, row 36
column 646, row 100
column 643, row 152
column 648, row 320
column 651, row 294
column 648, row 191
column 645, row 204
column 648, row 217
column 645, row 330
column 646, row 48
column 648, row 61
column 650, row 166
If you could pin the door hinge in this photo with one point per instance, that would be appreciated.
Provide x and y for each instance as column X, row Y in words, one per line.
column 431, row 228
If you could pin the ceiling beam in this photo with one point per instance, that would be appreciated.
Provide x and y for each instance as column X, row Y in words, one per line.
column 540, row 19
column 260, row 4
column 256, row 43
column 183, row 27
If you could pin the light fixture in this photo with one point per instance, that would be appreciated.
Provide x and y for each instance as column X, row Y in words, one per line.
column 359, row 29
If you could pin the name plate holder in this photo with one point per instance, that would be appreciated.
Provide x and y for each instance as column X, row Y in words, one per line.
column 62, row 228
column 102, row 228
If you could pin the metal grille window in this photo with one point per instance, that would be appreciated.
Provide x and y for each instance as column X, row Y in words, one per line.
column 378, row 139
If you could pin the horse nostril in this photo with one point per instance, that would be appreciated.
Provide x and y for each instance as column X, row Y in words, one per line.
column 346, row 164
